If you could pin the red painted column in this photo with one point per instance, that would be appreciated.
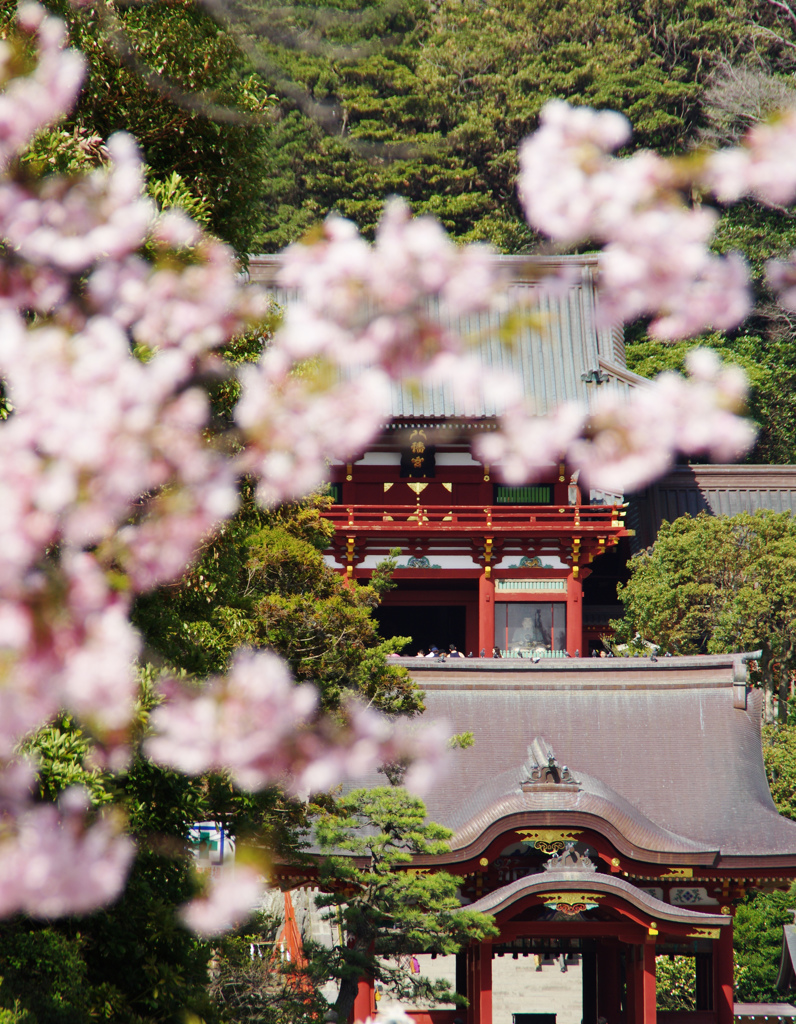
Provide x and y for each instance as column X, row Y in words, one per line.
column 574, row 616
column 608, row 982
column 485, row 987
column 649, row 1010
column 630, row 977
column 723, row 975
column 365, row 1002
column 486, row 615
column 473, row 985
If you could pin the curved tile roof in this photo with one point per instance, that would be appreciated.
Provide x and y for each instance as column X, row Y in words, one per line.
column 501, row 798
column 669, row 753
column 554, row 346
column 576, row 881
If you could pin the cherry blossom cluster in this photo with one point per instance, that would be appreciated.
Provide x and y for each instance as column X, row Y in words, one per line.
column 252, row 723
column 111, row 317
column 656, row 261
column 111, row 314
column 622, row 443
column 363, row 316
column 51, row 863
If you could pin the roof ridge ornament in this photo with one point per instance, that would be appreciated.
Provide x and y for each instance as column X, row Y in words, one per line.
column 542, row 768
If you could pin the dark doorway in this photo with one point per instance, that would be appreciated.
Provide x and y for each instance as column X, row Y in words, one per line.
column 426, row 625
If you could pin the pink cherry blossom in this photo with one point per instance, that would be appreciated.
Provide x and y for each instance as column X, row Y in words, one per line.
column 113, row 479
column 763, row 166
column 296, row 423
column 54, row 863
column 232, row 896
column 253, row 724
column 660, row 264
column 68, row 225
column 623, row 444
column 242, row 724
column 657, row 260
column 33, row 101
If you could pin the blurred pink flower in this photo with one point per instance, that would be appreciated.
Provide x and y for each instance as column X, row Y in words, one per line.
column 54, row 864
column 232, row 896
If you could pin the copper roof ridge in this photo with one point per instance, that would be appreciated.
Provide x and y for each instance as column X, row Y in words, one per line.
column 502, row 898
column 633, row 833
column 661, row 664
column 681, row 672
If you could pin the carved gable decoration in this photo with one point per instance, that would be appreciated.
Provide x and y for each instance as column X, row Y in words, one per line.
column 542, row 768
column 570, row 859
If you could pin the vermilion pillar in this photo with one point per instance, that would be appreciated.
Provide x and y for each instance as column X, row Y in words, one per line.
column 609, row 982
column 473, row 986
column 479, row 983
column 574, row 615
column 641, row 984
column 485, row 993
column 630, row 973
column 648, row 1009
column 723, row 974
column 365, row 1002
column 486, row 614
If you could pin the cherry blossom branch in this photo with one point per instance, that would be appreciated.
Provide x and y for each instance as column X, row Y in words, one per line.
column 111, row 484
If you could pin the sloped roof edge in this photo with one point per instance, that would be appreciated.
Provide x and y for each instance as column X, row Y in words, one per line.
column 574, row 881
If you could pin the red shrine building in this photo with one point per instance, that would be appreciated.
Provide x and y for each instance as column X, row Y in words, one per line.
column 484, row 566
column 611, row 810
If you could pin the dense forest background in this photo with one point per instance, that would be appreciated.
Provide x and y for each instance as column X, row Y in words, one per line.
column 262, row 118
column 430, row 101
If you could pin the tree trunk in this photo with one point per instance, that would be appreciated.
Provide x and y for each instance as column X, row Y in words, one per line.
column 783, row 694
column 767, row 680
column 768, row 710
column 344, row 1006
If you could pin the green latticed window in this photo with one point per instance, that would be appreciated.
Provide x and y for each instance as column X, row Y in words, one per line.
column 534, row 494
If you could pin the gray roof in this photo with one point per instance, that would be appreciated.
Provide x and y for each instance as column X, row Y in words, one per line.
column 554, row 347
column 763, row 1011
column 667, row 756
column 786, row 978
column 717, row 489
column 565, row 881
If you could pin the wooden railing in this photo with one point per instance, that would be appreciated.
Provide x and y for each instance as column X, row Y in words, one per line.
column 477, row 518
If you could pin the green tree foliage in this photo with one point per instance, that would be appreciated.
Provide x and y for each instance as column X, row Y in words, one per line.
column 769, row 360
column 133, row 962
column 716, row 584
column 759, row 919
column 675, row 978
column 385, row 909
column 262, row 582
column 758, row 944
column 252, row 984
column 176, row 80
column 430, row 101
column 779, row 754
